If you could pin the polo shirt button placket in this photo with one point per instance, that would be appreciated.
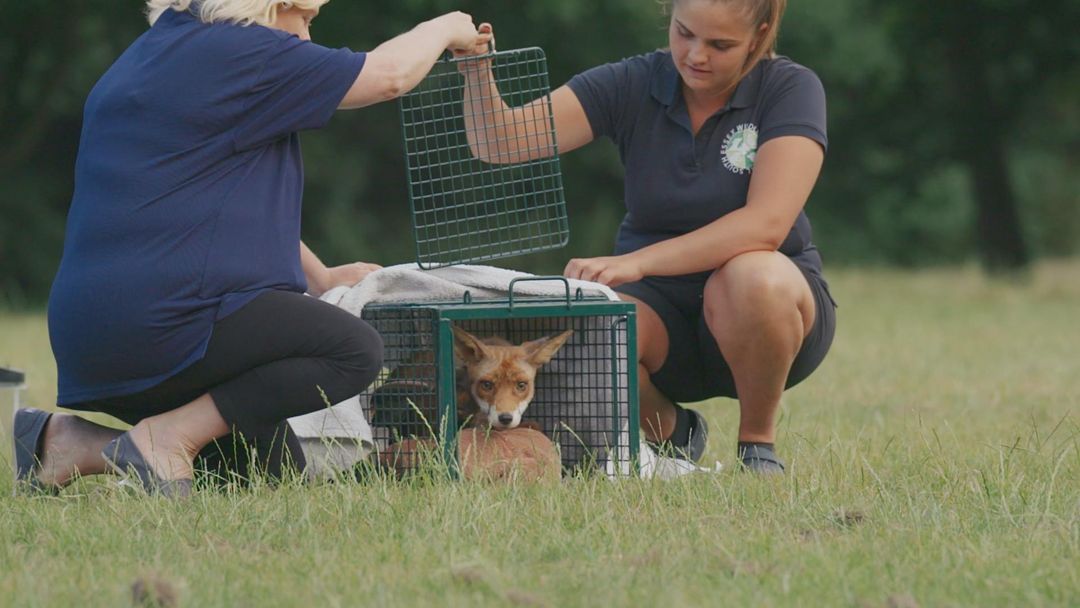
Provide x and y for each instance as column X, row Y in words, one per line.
column 691, row 157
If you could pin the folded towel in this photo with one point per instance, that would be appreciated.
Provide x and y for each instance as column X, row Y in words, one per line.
column 408, row 283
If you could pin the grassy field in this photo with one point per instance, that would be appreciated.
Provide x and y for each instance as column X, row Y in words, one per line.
column 935, row 461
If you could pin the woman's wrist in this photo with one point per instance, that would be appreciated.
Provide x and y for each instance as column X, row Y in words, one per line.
column 439, row 29
column 318, row 281
column 432, row 29
column 642, row 260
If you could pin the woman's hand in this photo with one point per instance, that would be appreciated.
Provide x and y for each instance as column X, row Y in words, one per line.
column 460, row 32
column 348, row 274
column 609, row 270
column 396, row 66
column 481, row 48
column 322, row 280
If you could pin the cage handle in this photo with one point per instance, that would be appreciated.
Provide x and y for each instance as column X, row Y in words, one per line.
column 566, row 283
column 448, row 55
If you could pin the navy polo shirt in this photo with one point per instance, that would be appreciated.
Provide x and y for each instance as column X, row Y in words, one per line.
column 187, row 196
column 675, row 182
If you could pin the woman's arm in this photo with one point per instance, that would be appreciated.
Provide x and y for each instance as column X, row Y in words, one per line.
column 396, row 66
column 785, row 171
column 500, row 134
column 321, row 279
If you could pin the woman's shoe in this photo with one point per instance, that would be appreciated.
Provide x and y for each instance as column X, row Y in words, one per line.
column 699, row 436
column 28, row 430
column 126, row 459
column 760, row 459
column 695, row 444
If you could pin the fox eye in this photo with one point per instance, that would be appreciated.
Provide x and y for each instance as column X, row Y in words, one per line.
column 522, row 386
column 487, row 385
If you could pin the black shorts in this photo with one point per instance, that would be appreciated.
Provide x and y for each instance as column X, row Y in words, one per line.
column 281, row 355
column 695, row 369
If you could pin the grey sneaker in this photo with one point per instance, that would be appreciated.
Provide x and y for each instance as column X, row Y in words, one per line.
column 126, row 460
column 699, row 436
column 695, row 446
column 761, row 459
column 28, row 429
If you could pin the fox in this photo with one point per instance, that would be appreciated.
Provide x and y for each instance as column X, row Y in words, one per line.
column 496, row 379
column 495, row 385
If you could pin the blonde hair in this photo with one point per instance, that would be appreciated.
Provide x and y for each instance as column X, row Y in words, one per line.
column 240, row 12
column 759, row 12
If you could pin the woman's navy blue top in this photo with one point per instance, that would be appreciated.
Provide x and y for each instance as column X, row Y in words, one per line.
column 187, row 196
column 676, row 182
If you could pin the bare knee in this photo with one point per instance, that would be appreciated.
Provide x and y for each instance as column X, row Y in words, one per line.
column 749, row 283
column 757, row 287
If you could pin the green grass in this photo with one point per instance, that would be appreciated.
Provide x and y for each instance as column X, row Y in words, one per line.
column 935, row 462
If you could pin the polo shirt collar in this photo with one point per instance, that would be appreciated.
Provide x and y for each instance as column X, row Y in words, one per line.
column 665, row 81
column 666, row 86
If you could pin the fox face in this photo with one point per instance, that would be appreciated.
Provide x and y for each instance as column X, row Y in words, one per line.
column 496, row 379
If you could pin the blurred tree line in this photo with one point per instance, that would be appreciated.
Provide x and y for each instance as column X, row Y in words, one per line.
column 954, row 127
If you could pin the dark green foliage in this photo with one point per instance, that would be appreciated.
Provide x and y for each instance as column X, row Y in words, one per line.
column 953, row 126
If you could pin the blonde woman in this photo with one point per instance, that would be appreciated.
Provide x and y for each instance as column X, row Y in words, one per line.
column 179, row 304
column 722, row 141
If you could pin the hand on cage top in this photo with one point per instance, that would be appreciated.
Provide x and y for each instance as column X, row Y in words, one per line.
column 348, row 274
column 485, row 44
column 609, row 270
column 461, row 31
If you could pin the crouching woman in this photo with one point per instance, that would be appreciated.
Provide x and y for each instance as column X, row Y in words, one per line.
column 722, row 141
column 179, row 303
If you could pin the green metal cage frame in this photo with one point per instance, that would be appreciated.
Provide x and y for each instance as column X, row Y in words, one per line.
column 444, row 314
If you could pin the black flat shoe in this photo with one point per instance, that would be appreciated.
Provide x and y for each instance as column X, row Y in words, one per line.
column 28, row 429
column 761, row 459
column 127, row 460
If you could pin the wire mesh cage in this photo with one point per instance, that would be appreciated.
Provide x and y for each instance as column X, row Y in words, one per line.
column 465, row 209
column 581, row 409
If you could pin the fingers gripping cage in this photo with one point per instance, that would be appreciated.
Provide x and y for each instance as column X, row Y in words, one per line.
column 508, row 200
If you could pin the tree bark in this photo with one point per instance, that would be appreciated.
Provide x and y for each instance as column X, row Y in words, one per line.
column 998, row 231
column 982, row 120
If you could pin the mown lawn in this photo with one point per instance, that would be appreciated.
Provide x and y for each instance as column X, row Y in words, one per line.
column 935, row 461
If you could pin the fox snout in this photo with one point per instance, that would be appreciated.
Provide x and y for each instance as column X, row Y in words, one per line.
column 506, row 421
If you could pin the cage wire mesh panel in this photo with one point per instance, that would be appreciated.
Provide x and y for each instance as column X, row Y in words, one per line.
column 402, row 404
column 465, row 209
column 581, row 401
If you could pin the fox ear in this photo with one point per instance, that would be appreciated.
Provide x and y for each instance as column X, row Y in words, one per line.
column 541, row 351
column 467, row 347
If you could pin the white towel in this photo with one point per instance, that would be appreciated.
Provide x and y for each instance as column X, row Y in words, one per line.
column 408, row 283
